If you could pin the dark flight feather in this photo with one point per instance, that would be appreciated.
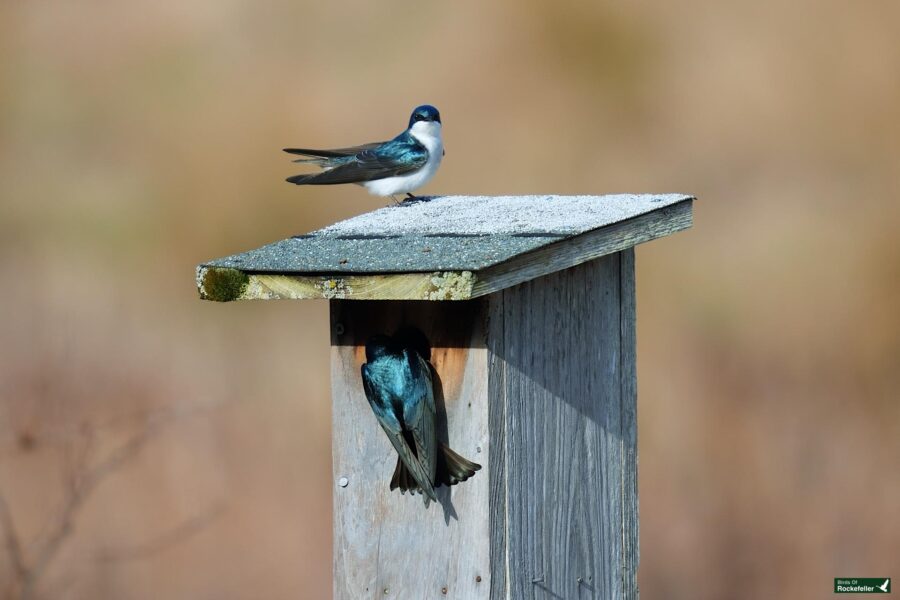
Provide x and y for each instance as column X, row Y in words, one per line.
column 335, row 153
column 419, row 416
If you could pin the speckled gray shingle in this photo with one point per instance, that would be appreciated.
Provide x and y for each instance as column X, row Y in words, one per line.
column 444, row 233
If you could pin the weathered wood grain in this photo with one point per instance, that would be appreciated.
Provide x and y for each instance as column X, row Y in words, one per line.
column 563, row 514
column 388, row 545
column 451, row 285
column 497, row 465
column 628, row 426
column 538, row 382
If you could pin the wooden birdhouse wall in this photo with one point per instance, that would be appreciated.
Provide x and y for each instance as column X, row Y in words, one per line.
column 537, row 382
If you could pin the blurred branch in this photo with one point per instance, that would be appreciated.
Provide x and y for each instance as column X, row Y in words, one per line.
column 11, row 539
column 66, row 432
column 81, row 480
column 186, row 529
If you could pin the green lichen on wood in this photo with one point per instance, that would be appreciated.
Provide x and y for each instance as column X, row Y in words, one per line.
column 451, row 285
column 221, row 284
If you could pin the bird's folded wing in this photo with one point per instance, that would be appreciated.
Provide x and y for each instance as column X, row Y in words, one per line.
column 420, row 417
column 397, row 157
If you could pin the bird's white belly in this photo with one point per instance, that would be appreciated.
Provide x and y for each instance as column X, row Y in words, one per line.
column 428, row 136
column 402, row 184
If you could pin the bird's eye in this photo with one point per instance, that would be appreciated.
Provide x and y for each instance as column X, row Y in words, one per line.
column 420, row 117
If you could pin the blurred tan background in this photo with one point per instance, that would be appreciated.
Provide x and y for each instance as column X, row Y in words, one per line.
column 156, row 446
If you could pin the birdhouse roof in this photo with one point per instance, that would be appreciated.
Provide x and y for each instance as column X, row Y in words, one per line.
column 445, row 248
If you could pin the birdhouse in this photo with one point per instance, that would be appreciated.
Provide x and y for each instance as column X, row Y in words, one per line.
column 526, row 310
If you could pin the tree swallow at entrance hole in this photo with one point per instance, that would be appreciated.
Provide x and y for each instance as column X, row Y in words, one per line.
column 398, row 166
column 398, row 383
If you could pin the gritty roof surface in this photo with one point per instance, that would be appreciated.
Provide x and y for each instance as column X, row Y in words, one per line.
column 445, row 233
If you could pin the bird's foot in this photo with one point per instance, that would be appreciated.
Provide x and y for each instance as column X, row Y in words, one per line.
column 413, row 199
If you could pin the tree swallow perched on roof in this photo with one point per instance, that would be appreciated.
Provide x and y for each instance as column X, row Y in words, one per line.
column 398, row 166
column 398, row 383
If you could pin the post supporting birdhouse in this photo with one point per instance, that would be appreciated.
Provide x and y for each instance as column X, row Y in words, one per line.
column 528, row 308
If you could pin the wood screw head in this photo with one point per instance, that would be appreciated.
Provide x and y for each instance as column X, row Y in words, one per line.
column 478, row 579
column 444, row 590
column 343, row 482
